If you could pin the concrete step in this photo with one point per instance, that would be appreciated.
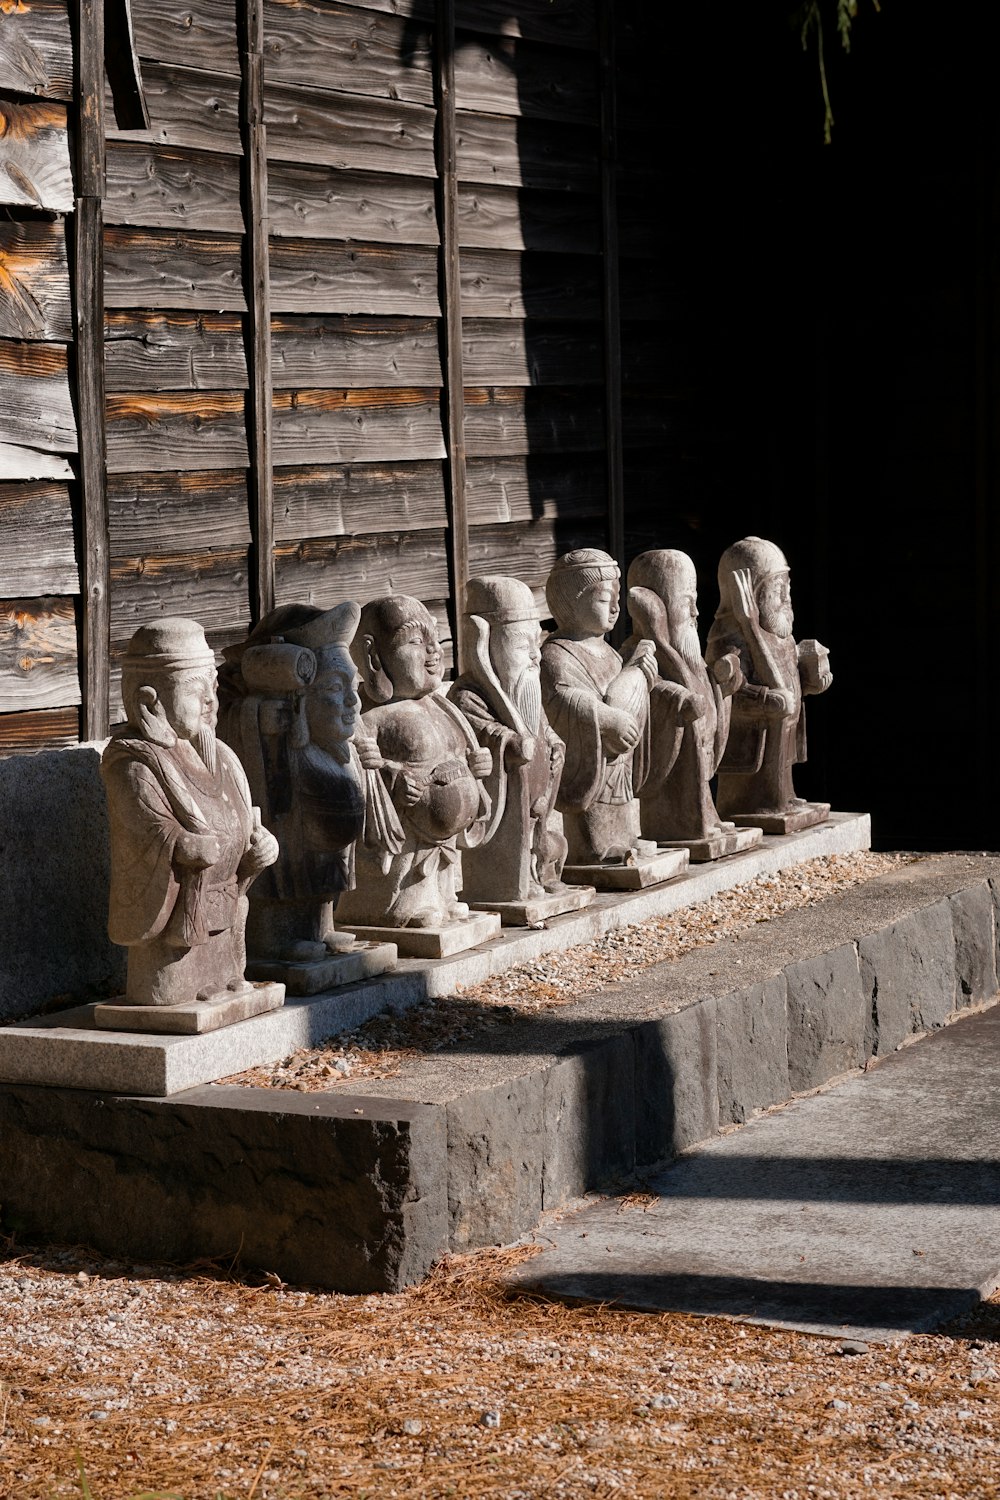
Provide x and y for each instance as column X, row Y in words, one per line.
column 871, row 1210
column 363, row 1191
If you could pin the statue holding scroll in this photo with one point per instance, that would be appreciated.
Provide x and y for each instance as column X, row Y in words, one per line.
column 186, row 843
column 767, row 734
column 689, row 711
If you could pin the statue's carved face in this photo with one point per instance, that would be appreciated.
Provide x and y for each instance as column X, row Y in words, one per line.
column 682, row 617
column 515, row 650
column 188, row 701
column 595, row 610
column 332, row 701
column 411, row 658
column 774, row 600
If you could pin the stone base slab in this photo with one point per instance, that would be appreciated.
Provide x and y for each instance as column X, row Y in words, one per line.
column 433, row 942
column 719, row 846
column 195, row 1018
column 364, row 961
column 538, row 909
column 645, row 870
column 779, row 824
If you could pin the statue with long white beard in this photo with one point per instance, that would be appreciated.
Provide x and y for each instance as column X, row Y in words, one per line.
column 767, row 735
column 186, row 843
column 689, row 710
column 517, row 871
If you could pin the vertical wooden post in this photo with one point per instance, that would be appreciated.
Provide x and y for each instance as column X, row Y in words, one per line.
column 453, row 394
column 88, row 353
column 612, row 311
column 257, row 282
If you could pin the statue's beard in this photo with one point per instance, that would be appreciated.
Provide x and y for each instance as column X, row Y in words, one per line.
column 778, row 621
column 204, row 743
column 527, row 698
column 686, row 641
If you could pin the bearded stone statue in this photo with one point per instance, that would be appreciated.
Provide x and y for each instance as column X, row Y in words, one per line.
column 517, row 871
column 689, row 711
column 599, row 706
column 425, row 798
column 186, row 844
column 767, row 734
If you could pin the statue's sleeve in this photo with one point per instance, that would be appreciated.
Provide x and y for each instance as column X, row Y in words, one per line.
column 144, row 885
column 572, row 703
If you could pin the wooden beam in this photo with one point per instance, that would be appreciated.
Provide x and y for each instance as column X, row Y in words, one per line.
column 453, row 393
column 88, row 306
column 258, row 295
column 612, row 310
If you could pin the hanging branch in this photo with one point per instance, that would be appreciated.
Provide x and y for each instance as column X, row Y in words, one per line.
column 809, row 20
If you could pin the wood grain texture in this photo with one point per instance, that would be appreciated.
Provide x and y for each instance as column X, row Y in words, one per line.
column 325, row 572
column 174, row 351
column 32, row 514
column 539, row 487
column 565, row 23
column 506, row 218
column 348, row 131
column 36, row 408
column 197, row 36
column 176, row 269
column 210, row 587
column 34, row 154
column 205, row 510
column 314, row 276
column 527, row 153
column 35, row 300
column 511, row 284
column 528, row 550
column 322, row 352
column 505, row 76
column 36, row 49
column 324, row 427
column 122, row 67
column 38, row 665
column 499, row 420
column 323, row 45
column 158, row 187
column 42, row 729
column 176, row 431
column 507, row 351
column 18, row 462
column 356, row 499
column 188, row 109
column 324, row 203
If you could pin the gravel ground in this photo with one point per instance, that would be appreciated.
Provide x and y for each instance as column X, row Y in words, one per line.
column 378, row 1049
column 124, row 1381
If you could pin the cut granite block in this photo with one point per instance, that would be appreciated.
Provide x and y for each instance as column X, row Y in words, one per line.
column 973, row 922
column 828, row 1017
column 589, row 1119
column 676, row 1082
column 752, row 1043
column 908, row 971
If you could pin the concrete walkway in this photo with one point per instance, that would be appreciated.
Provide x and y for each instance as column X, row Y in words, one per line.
column 869, row 1211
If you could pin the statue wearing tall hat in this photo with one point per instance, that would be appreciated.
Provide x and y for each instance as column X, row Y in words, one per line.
column 186, row 843
column 290, row 708
column 517, row 871
column 767, row 735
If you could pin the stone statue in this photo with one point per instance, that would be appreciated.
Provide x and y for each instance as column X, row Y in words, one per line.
column 289, row 710
column 599, row 706
column 425, row 800
column 186, row 843
column 518, row 870
column 767, row 733
column 689, row 711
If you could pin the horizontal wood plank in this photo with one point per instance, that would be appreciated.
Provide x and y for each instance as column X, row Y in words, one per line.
column 202, row 511
column 323, row 352
column 537, row 487
column 176, row 431
column 187, row 108
column 174, row 351
column 512, row 284
column 41, row 729
column 527, row 153
column 36, row 49
column 38, row 654
column 323, row 203
column 196, row 36
column 505, row 76
column 313, row 276
column 325, row 45
column 17, row 462
column 35, row 299
column 564, row 23
column 504, row 421
column 29, row 514
column 158, row 187
column 528, row 550
column 36, row 408
column 338, row 426
column 168, row 269
column 34, row 154
column 352, row 132
column 351, row 499
column 210, row 587
column 325, row 572
column 506, row 218
column 506, row 351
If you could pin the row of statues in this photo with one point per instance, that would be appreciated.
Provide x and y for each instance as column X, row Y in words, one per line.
column 323, row 791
